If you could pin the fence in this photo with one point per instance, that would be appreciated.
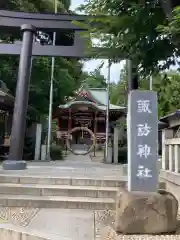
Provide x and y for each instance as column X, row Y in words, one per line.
column 170, row 151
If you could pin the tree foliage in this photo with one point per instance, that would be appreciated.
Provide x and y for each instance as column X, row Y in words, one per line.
column 148, row 32
column 167, row 87
column 165, row 84
column 95, row 79
column 68, row 72
column 35, row 5
column 172, row 29
column 131, row 30
column 119, row 90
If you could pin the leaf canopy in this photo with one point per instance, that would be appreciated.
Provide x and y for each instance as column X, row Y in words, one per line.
column 68, row 72
column 132, row 29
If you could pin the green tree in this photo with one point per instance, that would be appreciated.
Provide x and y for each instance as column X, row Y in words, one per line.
column 95, row 79
column 166, row 84
column 167, row 87
column 119, row 90
column 68, row 72
column 131, row 30
column 67, row 78
column 172, row 30
column 35, row 5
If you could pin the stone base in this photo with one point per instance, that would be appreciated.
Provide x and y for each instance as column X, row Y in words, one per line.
column 146, row 213
column 14, row 165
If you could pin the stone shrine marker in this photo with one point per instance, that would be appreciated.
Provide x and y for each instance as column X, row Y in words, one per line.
column 142, row 123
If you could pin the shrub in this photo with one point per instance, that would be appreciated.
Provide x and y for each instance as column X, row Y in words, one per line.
column 99, row 147
column 122, row 155
column 29, row 148
column 56, row 152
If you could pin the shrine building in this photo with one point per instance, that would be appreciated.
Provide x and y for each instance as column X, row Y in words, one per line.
column 87, row 110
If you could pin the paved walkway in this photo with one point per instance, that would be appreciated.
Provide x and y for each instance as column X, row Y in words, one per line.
column 67, row 224
column 63, row 224
column 73, row 166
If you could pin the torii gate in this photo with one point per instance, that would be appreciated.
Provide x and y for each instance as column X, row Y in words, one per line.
column 29, row 23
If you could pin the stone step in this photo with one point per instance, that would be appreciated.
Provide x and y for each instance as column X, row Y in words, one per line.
column 74, row 181
column 58, row 190
column 57, row 202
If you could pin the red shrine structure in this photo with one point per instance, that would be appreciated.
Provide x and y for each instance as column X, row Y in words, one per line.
column 87, row 109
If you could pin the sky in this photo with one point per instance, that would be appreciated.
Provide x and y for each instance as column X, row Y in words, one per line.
column 93, row 64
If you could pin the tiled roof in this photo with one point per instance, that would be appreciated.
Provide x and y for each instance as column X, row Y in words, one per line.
column 98, row 99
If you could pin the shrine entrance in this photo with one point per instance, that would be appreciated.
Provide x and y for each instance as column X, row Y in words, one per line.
column 82, row 121
column 30, row 24
column 81, row 140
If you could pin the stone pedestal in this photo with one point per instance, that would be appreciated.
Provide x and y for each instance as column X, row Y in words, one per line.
column 146, row 213
column 38, row 141
column 14, row 165
column 109, row 155
column 43, row 152
column 115, row 145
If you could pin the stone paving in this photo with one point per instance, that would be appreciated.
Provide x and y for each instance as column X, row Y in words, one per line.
column 66, row 224
column 17, row 216
column 72, row 167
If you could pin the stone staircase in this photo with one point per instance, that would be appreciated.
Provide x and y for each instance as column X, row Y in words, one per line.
column 59, row 192
column 79, row 191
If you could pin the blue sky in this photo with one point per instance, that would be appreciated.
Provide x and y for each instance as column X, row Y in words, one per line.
column 93, row 64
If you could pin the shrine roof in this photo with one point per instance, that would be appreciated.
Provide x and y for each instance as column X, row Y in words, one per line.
column 170, row 116
column 96, row 97
column 7, row 103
